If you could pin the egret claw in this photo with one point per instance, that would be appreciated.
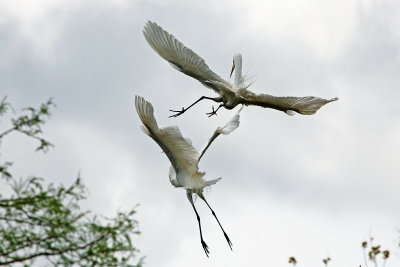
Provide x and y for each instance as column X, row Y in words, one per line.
column 205, row 247
column 213, row 112
column 228, row 240
column 178, row 112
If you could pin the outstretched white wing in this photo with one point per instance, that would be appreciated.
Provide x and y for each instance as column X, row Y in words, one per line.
column 306, row 105
column 179, row 150
column 229, row 127
column 182, row 58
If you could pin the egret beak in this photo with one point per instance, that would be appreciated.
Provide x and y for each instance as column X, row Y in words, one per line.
column 233, row 68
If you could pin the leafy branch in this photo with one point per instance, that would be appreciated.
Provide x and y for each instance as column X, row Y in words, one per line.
column 37, row 222
column 29, row 124
column 45, row 221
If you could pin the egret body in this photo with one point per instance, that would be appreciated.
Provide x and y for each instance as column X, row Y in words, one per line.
column 184, row 171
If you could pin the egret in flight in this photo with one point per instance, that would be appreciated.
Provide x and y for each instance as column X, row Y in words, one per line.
column 230, row 95
column 184, row 171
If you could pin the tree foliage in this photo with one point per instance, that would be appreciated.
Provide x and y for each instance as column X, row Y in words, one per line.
column 45, row 223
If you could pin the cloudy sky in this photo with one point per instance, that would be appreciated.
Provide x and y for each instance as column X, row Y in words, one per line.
column 303, row 186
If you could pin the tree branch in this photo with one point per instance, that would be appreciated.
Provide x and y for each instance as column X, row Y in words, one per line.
column 7, row 131
column 58, row 252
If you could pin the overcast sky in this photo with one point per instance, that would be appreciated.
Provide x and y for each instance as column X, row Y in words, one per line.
column 303, row 186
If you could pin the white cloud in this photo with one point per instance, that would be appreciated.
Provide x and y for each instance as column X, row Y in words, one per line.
column 324, row 27
column 38, row 25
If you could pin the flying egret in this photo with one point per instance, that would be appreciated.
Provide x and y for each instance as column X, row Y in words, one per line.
column 184, row 158
column 188, row 62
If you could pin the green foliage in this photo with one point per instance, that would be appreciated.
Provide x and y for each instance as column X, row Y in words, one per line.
column 4, row 106
column 30, row 123
column 39, row 221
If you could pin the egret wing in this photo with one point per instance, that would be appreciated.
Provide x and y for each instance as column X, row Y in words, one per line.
column 306, row 105
column 229, row 127
column 179, row 150
column 172, row 177
column 181, row 57
column 232, row 124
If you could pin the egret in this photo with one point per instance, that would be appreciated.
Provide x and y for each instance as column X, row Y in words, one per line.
column 184, row 158
column 230, row 95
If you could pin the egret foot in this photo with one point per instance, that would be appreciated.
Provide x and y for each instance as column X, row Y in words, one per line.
column 178, row 113
column 213, row 112
column 228, row 240
column 205, row 247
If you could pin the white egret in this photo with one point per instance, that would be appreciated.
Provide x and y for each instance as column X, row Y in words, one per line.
column 184, row 158
column 188, row 62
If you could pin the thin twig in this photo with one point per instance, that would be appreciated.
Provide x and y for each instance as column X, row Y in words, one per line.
column 365, row 258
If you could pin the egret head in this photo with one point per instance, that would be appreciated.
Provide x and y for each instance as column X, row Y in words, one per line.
column 237, row 60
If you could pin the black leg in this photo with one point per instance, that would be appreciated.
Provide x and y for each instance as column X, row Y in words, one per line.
column 213, row 213
column 203, row 244
column 180, row 112
column 214, row 112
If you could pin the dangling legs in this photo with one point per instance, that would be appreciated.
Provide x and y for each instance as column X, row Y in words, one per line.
column 214, row 112
column 213, row 213
column 205, row 247
column 180, row 112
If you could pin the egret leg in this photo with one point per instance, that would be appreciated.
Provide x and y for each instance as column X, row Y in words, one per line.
column 203, row 244
column 214, row 112
column 180, row 112
column 213, row 213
